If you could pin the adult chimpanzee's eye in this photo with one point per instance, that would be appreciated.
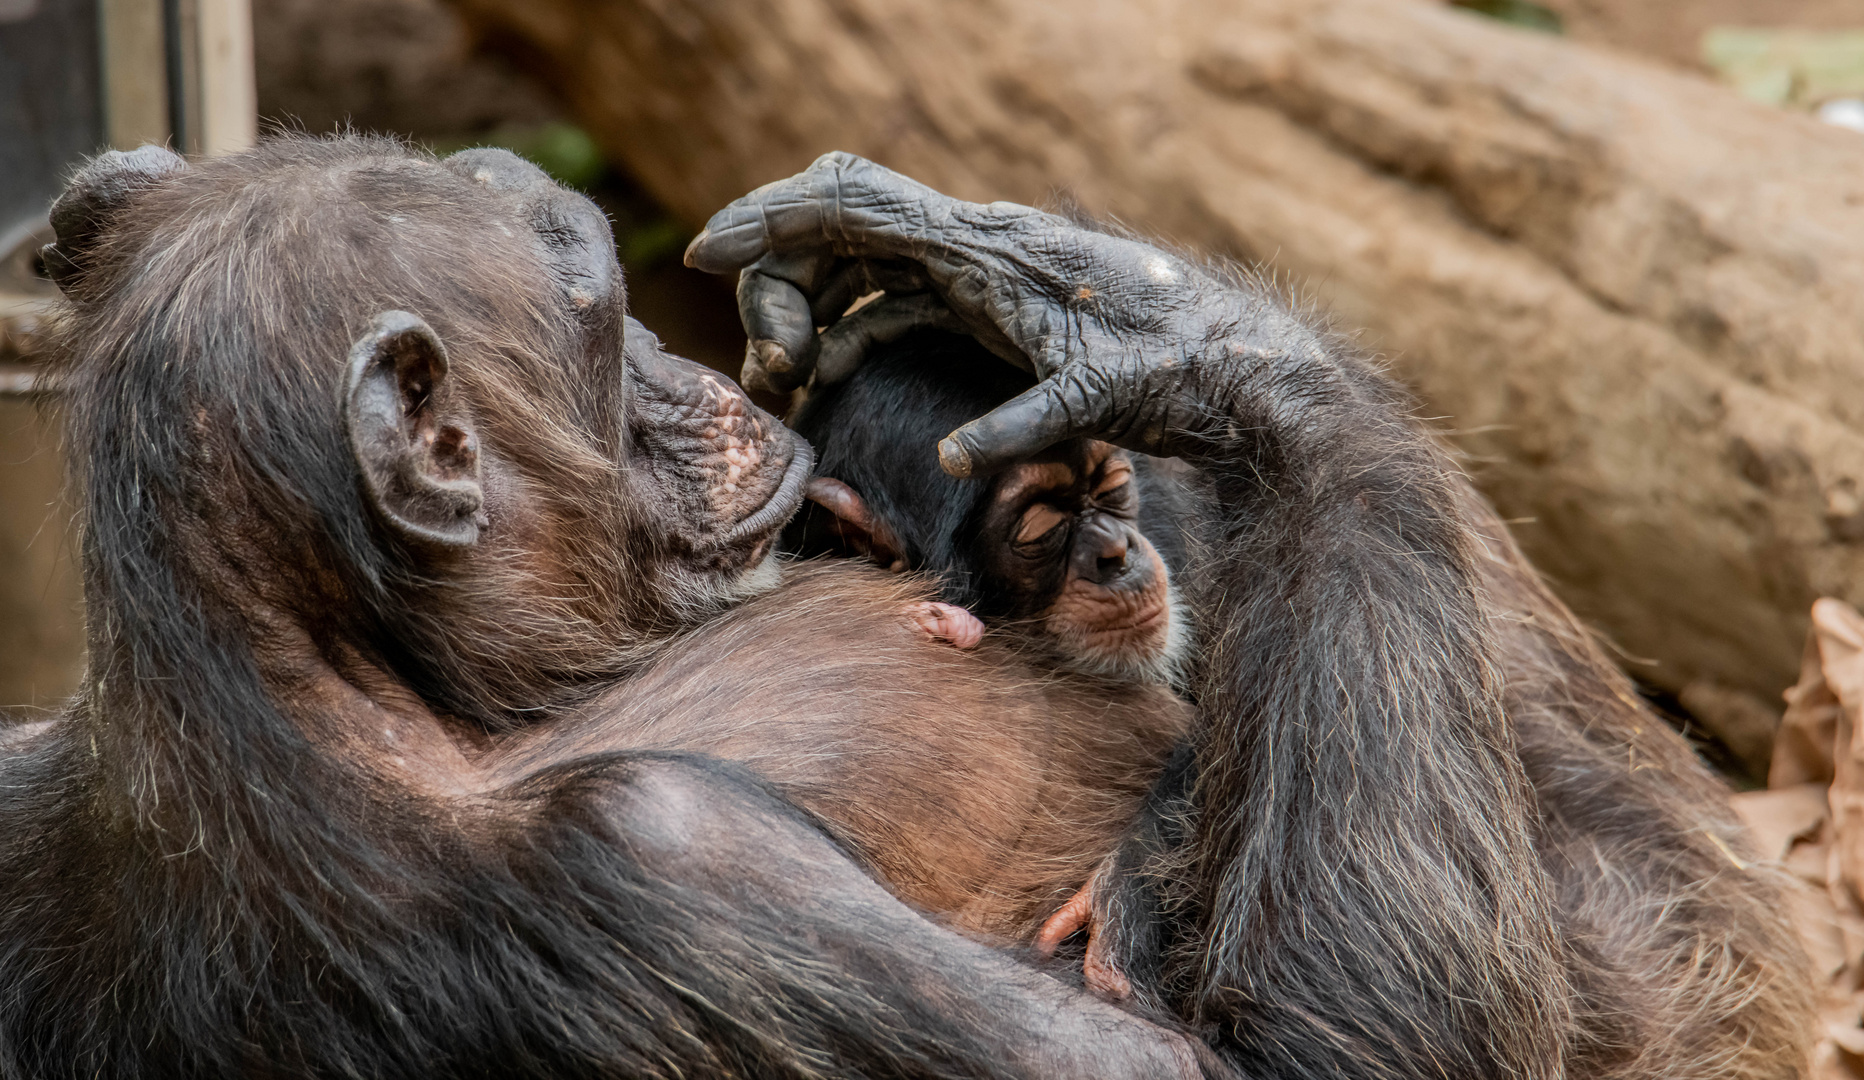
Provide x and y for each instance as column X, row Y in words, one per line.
column 1038, row 522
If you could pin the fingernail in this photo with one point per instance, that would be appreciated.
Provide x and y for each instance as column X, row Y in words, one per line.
column 752, row 377
column 774, row 357
column 691, row 258
column 953, row 458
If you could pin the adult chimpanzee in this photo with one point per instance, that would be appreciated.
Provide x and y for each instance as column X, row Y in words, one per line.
column 1418, row 789
column 1050, row 550
column 363, row 585
column 384, row 763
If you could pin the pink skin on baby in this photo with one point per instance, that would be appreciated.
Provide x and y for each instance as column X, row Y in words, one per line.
column 1103, row 974
column 946, row 622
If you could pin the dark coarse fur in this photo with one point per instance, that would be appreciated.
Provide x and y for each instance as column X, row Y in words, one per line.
column 911, row 393
column 209, row 864
column 1678, row 941
column 1428, row 833
column 1362, row 820
column 1649, row 948
column 1400, row 857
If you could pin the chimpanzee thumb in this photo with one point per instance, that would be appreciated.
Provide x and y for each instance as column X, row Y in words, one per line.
column 1055, row 409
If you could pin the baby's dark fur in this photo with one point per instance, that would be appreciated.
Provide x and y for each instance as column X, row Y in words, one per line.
column 876, row 431
column 907, row 397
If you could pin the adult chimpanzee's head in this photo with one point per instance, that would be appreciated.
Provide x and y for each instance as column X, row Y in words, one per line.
column 1050, row 547
column 400, row 399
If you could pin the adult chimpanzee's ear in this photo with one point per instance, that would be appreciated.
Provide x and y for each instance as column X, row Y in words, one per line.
column 94, row 196
column 412, row 434
column 858, row 529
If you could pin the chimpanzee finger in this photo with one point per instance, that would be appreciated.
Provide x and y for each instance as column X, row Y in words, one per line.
column 1054, row 409
column 816, row 206
column 752, row 376
column 779, row 328
column 853, row 205
column 847, row 283
column 845, row 344
column 851, row 279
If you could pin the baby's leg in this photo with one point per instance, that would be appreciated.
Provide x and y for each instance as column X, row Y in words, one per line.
column 1100, row 968
column 946, row 622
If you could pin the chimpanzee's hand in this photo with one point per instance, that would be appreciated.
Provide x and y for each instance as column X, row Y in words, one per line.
column 1117, row 330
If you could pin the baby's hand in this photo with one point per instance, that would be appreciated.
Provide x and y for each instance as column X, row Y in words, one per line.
column 946, row 622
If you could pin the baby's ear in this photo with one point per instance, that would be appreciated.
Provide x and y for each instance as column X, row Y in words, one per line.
column 856, row 528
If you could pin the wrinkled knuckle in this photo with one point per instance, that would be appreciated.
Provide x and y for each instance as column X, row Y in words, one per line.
column 834, row 161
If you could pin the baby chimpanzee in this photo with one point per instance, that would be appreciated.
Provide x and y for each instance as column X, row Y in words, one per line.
column 1052, row 550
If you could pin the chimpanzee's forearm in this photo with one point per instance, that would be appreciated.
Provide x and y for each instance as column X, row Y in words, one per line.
column 1357, row 806
column 1361, row 890
column 1137, row 922
column 783, row 952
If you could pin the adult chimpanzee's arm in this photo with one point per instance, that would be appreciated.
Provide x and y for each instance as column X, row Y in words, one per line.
column 1366, row 899
column 778, row 954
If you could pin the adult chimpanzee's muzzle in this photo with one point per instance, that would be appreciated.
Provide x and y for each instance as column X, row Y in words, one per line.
column 733, row 471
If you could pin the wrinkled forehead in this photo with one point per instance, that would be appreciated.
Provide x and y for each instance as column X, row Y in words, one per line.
column 1061, row 467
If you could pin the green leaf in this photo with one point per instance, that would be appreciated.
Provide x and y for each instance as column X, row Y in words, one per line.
column 561, row 149
column 1787, row 66
column 1522, row 13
